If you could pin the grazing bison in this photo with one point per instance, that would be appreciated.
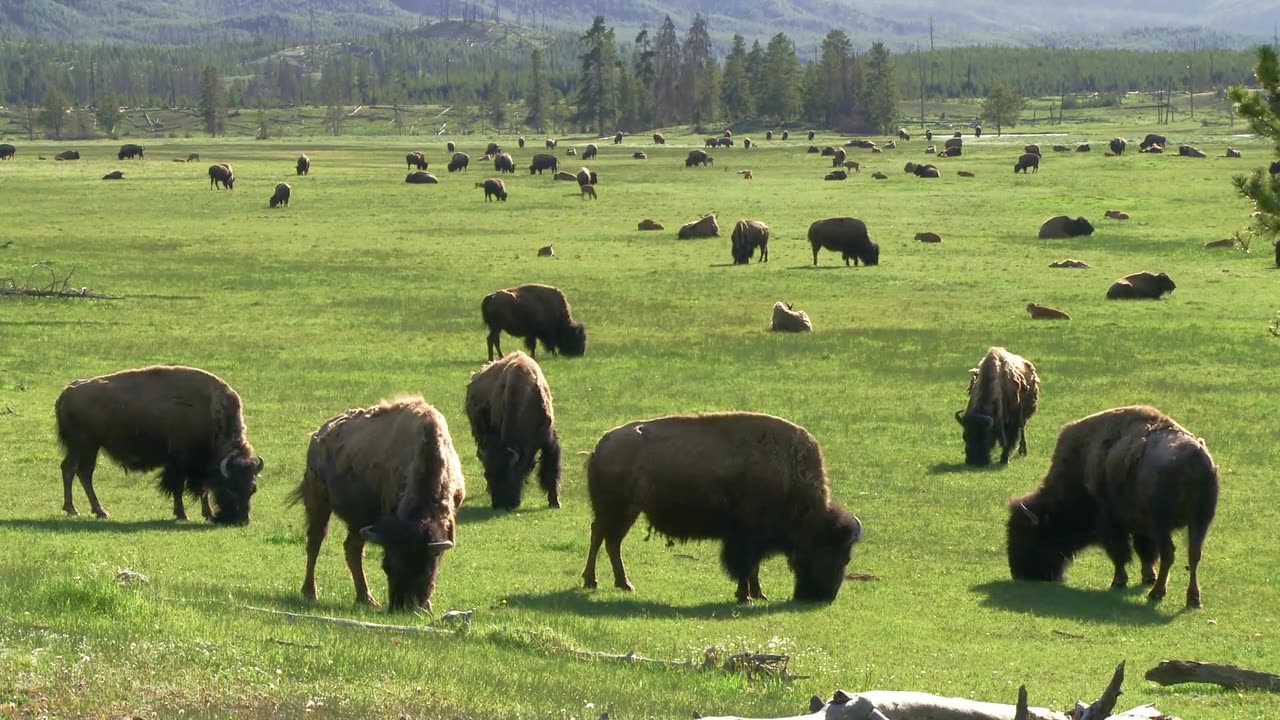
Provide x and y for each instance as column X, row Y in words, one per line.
column 185, row 421
column 114, row 175
column 846, row 235
column 419, row 177
column 520, row 142
column 977, row 131
column 392, row 475
column 1153, row 139
column 1027, row 161
column 459, row 161
column 1003, row 392
column 747, row 236
column 494, row 187
column 617, row 138
column 493, row 149
column 658, row 139
column 755, row 482
column 504, row 163
column 7, row 151
column 130, row 151
column 1275, row 167
column 512, row 421
column 1118, row 145
column 927, row 171
column 415, row 159
column 838, row 158
column 193, row 157
column 1061, row 227
column 281, row 196
column 1121, row 474
column 1141, row 286
column 586, row 176
column 902, row 134
column 588, row 191
column 450, row 147
column 543, row 161
column 590, row 151
column 535, row 313
column 786, row 318
column 1033, row 149
column 1040, row 312
column 1189, row 151
column 67, row 155
column 222, row 174
column 304, row 165
column 786, row 134
column 698, row 157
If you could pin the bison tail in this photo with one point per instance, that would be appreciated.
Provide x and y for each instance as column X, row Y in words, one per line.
column 549, row 463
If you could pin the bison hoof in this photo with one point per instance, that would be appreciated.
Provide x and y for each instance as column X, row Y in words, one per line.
column 70, row 510
column 309, row 594
column 554, row 502
column 368, row 600
column 626, row 586
column 101, row 513
column 590, row 583
column 1193, row 601
column 1155, row 596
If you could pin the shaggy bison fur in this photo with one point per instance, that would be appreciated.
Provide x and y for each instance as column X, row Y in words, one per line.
column 747, row 236
column 304, row 165
column 415, row 159
column 1118, row 145
column 494, row 187
column 543, row 161
column 535, row 313
column 281, row 196
column 846, row 235
column 222, row 174
column 504, row 163
column 130, row 151
column 1003, row 392
column 1153, row 139
column 458, row 162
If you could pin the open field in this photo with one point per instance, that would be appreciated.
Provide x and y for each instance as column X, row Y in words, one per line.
column 367, row 287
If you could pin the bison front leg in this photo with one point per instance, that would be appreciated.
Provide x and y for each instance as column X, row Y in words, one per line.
column 1116, row 541
column 742, row 561
column 1147, row 556
column 354, row 550
column 549, row 469
column 754, row 585
column 205, row 509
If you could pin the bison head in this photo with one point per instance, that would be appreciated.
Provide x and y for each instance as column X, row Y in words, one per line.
column 504, row 473
column 410, row 558
column 979, row 436
column 571, row 340
column 1165, row 284
column 237, row 481
column 871, row 255
column 1042, row 540
column 820, row 559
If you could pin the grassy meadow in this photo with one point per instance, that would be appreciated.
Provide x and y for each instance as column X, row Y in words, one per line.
column 366, row 287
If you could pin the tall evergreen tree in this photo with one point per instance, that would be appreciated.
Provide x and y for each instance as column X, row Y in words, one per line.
column 667, row 92
column 597, row 86
column 536, row 100
column 213, row 101
column 781, row 79
column 496, row 101
column 697, row 73
column 835, row 68
column 645, row 71
column 1261, row 109
column 736, row 89
column 880, row 91
column 53, row 116
column 107, row 113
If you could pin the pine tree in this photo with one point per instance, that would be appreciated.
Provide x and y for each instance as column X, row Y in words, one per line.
column 1003, row 107
column 836, row 80
column 880, row 91
column 53, row 117
column 646, row 76
column 1262, row 111
column 213, row 101
column 536, row 101
column 697, row 73
column 107, row 113
column 667, row 92
column 597, row 86
column 736, row 92
column 496, row 101
column 781, row 79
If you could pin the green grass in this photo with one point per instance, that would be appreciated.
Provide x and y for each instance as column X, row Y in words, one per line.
column 366, row 287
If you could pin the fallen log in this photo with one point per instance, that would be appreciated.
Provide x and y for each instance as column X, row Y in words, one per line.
column 1175, row 672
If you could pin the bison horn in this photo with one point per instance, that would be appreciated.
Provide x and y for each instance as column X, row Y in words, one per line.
column 515, row 455
column 990, row 421
column 960, row 416
column 222, row 466
column 439, row 547
column 1030, row 515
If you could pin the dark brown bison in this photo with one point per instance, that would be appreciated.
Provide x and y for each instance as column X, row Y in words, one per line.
column 926, row 171
column 698, row 157
column 1153, row 139
column 512, row 421
column 755, row 482
column 114, row 175
column 746, row 143
column 658, row 139
column 551, row 143
column 639, row 155
column 1084, row 147
column 1275, row 167
column 956, row 141
column 450, row 147
column 811, row 134
column 222, row 174
column 1003, row 392
column 67, row 155
column 903, row 135
column 193, row 157
column 590, row 151
column 130, row 151
column 768, row 135
column 7, row 151
column 459, row 161
column 846, row 235
column 786, row 134
column 617, row 138
column 724, row 142
column 977, row 131
column 493, row 149
column 747, row 236
column 953, row 151
column 1121, row 474
column 586, row 176
column 418, row 177
column 494, row 187
column 828, row 151
column 535, row 313
column 304, row 165
column 504, row 163
column 839, row 157
column 928, row 135
column 520, row 142
column 185, row 421
column 415, row 159
column 836, row 175
column 1062, row 227
column 281, row 196
column 1118, row 145
column 543, row 161
column 1029, row 161
column 711, row 142
column 1141, row 286
column 392, row 475
column 1190, row 151
column 1033, row 148
column 566, row 176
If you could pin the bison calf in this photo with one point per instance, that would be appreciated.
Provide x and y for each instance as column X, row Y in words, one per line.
column 535, row 313
column 755, row 482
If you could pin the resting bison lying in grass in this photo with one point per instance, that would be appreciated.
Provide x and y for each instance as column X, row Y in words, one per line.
column 755, row 482
column 1141, row 286
column 183, row 420
column 1130, row 472
column 419, row 177
column 535, row 313
column 1003, row 392
column 512, row 421
column 786, row 318
column 846, row 235
column 392, row 475
column 1062, row 227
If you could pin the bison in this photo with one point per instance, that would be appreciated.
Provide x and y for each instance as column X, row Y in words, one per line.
column 419, row 177
column 1033, row 148
column 450, row 147
column 639, row 156
column 114, row 175
column 725, row 142
column 698, row 157
column 193, row 157
column 543, row 161
column 786, row 134
column 649, row 224
column 956, row 141
column 67, row 155
column 535, row 313
column 786, row 318
column 1003, row 392
column 836, row 175
column 459, row 161
column 551, row 143
column 590, row 151
column 1190, row 151
column 304, row 165
column 512, row 421
column 7, row 151
column 711, row 142
column 704, row 227
column 567, row 176
column 927, row 171
column 838, row 158
column 1061, row 227
column 504, row 163
column 1084, row 147
column 1141, row 286
column 953, row 151
column 520, row 142
column 1155, row 149
column 1040, row 312
column 1121, row 474
column 586, row 176
column 747, row 236
column 588, row 191
column 392, row 475
column 768, row 135
column 746, row 143
column 130, row 151
column 1118, row 145
column 281, row 195
column 755, row 482
column 185, row 421
column 617, row 138
column 1027, row 161
column 415, row 159
column 494, row 187
column 846, row 235
column 658, row 139
column 811, row 134
column 1153, row 139
column 221, row 174
column 493, row 149
column 903, row 135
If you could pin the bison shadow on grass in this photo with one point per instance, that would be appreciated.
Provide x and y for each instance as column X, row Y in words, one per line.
column 587, row 603
column 1072, row 603
column 90, row 524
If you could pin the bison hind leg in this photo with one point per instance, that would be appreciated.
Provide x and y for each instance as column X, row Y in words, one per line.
column 1164, row 543
column 1116, row 541
column 81, row 462
column 1147, row 556
column 549, row 469
column 531, row 344
column 741, row 559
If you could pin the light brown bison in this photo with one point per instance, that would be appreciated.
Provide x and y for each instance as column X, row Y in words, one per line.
column 648, row 224
column 1040, row 312
column 1003, row 392
column 415, row 159
column 1129, row 473
column 1154, row 149
column 535, row 313
column 281, row 196
column 755, row 482
column 418, row 177
column 1116, row 215
column 304, row 165
column 786, row 318
column 1231, row 152
column 704, row 227
column 846, row 235
column 1062, row 227
column 494, row 187
column 1028, row 161
column 392, row 475
column 504, row 163
column 747, row 236
column 221, row 174
column 512, row 421
column 185, row 421
column 1141, row 286
column 639, row 156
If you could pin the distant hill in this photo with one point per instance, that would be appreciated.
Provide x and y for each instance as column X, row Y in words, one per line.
column 900, row 23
